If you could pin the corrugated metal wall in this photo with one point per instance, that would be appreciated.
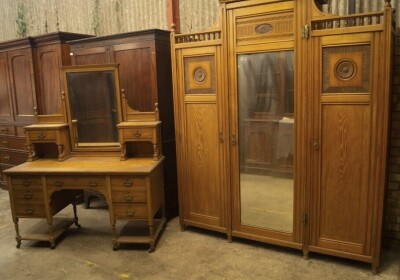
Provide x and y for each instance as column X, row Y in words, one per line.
column 104, row 17
column 100, row 17
column 198, row 15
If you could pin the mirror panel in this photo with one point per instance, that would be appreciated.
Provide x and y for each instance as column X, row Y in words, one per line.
column 266, row 129
column 93, row 105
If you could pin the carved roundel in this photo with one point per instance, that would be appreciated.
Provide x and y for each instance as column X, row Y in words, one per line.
column 263, row 28
column 199, row 74
column 345, row 69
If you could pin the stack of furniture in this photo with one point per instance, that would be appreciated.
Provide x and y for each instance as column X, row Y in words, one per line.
column 108, row 132
column 281, row 117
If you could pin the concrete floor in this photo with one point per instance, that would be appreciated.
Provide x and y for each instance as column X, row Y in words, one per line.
column 87, row 253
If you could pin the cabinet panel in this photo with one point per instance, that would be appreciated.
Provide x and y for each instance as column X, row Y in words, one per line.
column 98, row 55
column 48, row 63
column 23, row 84
column 345, row 186
column 203, row 191
column 142, row 93
column 5, row 94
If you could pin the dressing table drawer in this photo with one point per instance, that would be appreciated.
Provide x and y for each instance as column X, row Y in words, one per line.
column 128, row 196
column 128, row 182
column 25, row 196
column 30, row 210
column 49, row 135
column 139, row 134
column 76, row 182
column 25, row 183
column 130, row 210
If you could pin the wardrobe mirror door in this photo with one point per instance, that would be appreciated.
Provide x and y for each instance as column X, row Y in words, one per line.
column 266, row 131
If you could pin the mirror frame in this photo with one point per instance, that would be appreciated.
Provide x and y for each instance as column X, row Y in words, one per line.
column 105, row 146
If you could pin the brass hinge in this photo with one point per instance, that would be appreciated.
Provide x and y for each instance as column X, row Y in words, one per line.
column 304, row 218
column 305, row 31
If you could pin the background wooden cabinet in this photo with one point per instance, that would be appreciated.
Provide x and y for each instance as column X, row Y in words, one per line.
column 30, row 77
column 144, row 60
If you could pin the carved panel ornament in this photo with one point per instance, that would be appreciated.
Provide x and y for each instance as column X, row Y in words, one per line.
column 263, row 28
column 199, row 74
column 345, row 69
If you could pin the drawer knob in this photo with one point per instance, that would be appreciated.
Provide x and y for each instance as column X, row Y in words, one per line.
column 137, row 134
column 28, row 196
column 93, row 184
column 42, row 136
column 58, row 183
column 5, row 143
column 6, row 158
column 26, row 183
column 29, row 211
column 130, row 213
column 127, row 183
column 128, row 197
column 4, row 129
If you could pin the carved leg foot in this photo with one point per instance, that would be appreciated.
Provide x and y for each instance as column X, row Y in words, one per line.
column 18, row 239
column 229, row 238
column 306, row 255
column 152, row 247
column 76, row 222
column 375, row 267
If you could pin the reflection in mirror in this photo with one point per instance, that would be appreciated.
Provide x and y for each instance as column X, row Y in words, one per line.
column 266, row 129
column 93, row 106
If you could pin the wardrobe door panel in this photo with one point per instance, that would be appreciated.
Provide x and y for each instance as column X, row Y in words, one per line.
column 200, row 145
column 344, row 156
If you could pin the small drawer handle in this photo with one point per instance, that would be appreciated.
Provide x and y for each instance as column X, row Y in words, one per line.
column 28, row 196
column 6, row 158
column 137, row 134
column 5, row 143
column 4, row 129
column 127, row 183
column 58, row 183
column 130, row 213
column 42, row 136
column 26, row 183
column 93, row 184
column 29, row 211
column 128, row 197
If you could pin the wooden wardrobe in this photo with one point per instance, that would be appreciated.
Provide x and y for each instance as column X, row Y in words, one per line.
column 281, row 120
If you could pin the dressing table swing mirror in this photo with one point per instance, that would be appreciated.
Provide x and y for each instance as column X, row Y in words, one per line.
column 96, row 143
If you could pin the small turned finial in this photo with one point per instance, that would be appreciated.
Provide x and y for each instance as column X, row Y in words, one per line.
column 35, row 111
column 123, row 92
column 387, row 3
column 173, row 27
column 156, row 107
column 62, row 95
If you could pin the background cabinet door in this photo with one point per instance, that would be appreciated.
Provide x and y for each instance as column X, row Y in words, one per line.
column 6, row 113
column 20, row 65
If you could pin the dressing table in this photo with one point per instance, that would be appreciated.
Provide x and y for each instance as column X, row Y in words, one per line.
column 89, row 140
